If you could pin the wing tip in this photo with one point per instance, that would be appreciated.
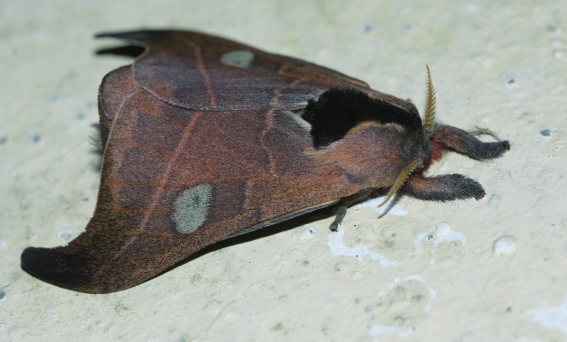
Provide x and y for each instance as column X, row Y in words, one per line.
column 54, row 266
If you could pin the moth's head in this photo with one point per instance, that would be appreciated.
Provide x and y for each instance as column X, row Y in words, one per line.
column 422, row 148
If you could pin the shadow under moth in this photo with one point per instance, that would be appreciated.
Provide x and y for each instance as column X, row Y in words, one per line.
column 205, row 139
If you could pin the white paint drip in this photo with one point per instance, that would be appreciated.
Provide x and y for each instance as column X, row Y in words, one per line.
column 395, row 210
column 505, row 245
column 421, row 238
column 308, row 234
column 445, row 234
column 441, row 235
column 416, row 277
column 338, row 247
column 378, row 329
column 554, row 318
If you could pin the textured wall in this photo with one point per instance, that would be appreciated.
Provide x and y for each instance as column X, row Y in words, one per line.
column 488, row 270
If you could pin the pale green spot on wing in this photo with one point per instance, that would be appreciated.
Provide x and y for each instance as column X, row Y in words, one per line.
column 238, row 58
column 192, row 208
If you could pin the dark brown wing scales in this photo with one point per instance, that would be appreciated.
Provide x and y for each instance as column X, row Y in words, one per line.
column 115, row 88
column 201, row 72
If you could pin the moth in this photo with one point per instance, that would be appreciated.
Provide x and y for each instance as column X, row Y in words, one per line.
column 205, row 139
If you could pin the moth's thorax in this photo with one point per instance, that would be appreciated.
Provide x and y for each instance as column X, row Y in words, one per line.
column 373, row 154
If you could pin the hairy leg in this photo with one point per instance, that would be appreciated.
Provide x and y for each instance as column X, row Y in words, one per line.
column 448, row 137
column 443, row 188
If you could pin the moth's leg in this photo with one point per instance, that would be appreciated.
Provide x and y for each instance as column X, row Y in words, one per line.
column 339, row 216
column 448, row 137
column 343, row 206
column 443, row 188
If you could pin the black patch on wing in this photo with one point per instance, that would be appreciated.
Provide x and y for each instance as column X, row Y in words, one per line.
column 340, row 109
column 126, row 51
column 135, row 49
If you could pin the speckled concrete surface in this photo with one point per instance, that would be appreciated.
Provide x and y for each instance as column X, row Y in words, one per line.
column 488, row 270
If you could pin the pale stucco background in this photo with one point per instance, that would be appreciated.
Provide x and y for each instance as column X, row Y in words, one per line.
column 488, row 270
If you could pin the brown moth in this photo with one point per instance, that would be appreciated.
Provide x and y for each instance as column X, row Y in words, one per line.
column 205, row 139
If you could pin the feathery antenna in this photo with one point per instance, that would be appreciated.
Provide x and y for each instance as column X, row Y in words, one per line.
column 430, row 104
column 402, row 178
